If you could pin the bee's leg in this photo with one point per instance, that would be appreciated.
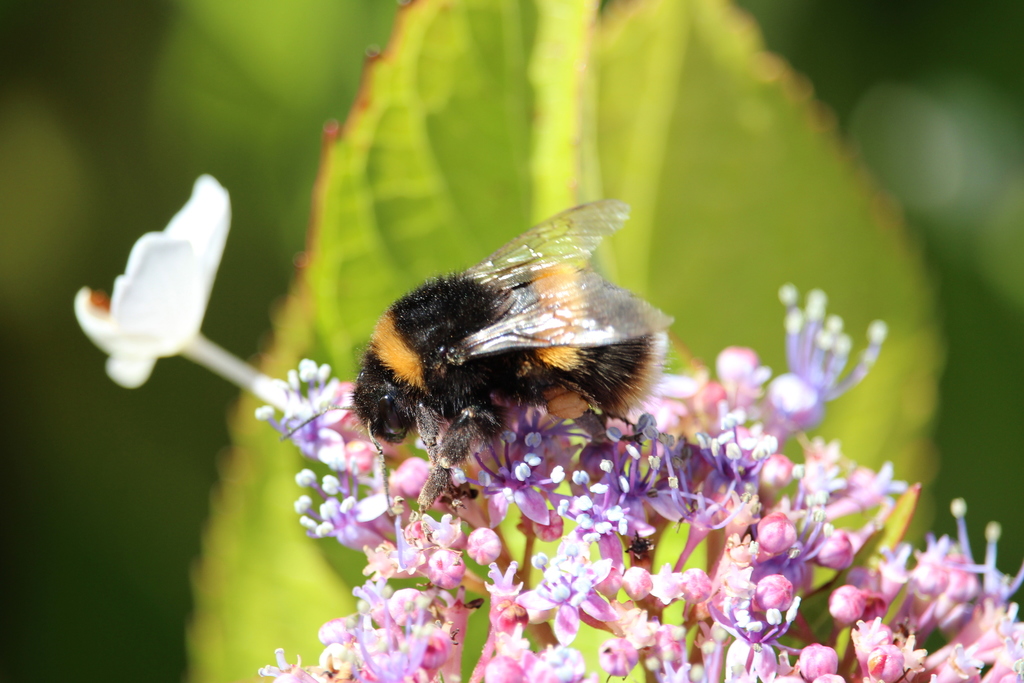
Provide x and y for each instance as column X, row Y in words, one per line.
column 594, row 424
column 468, row 430
column 428, row 426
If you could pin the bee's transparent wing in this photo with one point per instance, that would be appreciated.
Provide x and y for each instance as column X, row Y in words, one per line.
column 567, row 239
column 553, row 298
column 590, row 312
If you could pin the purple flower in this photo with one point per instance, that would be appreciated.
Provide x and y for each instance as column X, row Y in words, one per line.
column 320, row 432
column 523, row 466
column 817, row 351
column 569, row 585
column 354, row 522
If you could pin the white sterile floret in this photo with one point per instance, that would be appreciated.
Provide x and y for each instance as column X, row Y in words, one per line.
column 458, row 476
column 623, row 484
column 303, row 505
column 264, row 413
column 331, row 485
column 522, row 471
column 558, row 474
column 305, row 478
column 580, row 478
column 157, row 306
column 532, row 459
column 606, row 465
column 599, row 488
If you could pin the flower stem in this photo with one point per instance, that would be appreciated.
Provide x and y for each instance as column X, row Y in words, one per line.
column 216, row 359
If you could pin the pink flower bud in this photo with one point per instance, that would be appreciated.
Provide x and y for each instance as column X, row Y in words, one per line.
column 484, row 546
column 335, row 631
column 637, row 583
column 667, row 585
column 929, row 579
column 774, row 592
column 669, row 642
column 874, row 606
column 736, row 364
column 837, row 551
column 502, row 669
column 775, row 533
column 445, row 569
column 416, row 534
column 552, row 531
column 439, row 646
column 618, row 656
column 829, row 678
column 408, row 479
column 402, row 603
column 846, row 604
column 885, row 663
column 708, row 398
column 963, row 586
column 506, row 614
column 777, row 471
column 696, row 585
column 817, row 661
column 610, row 585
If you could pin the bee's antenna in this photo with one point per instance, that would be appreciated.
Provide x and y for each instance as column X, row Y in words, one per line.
column 320, row 414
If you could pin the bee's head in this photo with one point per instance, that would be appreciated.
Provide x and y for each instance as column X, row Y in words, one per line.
column 381, row 403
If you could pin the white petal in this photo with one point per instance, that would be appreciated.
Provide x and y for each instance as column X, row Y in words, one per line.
column 204, row 222
column 130, row 372
column 160, row 296
column 95, row 321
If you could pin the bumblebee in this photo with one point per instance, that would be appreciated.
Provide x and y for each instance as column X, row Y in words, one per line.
column 533, row 324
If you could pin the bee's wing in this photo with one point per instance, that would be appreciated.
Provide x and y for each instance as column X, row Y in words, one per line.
column 554, row 299
column 568, row 239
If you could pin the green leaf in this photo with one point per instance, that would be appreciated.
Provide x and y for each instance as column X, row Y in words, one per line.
column 466, row 132
column 262, row 583
column 738, row 185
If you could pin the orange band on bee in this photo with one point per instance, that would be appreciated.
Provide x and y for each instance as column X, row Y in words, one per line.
column 561, row 357
column 396, row 353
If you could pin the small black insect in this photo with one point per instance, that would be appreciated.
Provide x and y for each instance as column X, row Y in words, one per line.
column 640, row 548
column 532, row 324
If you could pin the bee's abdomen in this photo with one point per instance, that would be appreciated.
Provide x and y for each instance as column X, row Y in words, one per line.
column 617, row 377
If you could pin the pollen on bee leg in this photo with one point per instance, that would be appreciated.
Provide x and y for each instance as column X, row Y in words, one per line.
column 565, row 404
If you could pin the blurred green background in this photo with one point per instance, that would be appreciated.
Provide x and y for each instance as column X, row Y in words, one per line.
column 108, row 112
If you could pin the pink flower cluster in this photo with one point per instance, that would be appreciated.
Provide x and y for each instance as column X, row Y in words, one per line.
column 782, row 575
